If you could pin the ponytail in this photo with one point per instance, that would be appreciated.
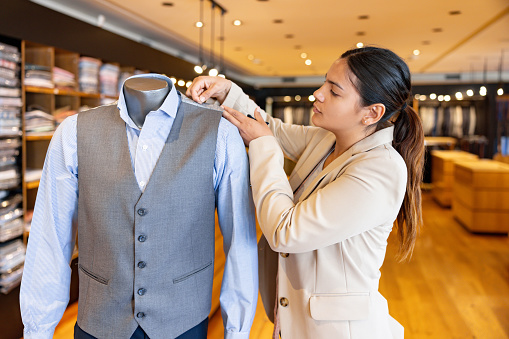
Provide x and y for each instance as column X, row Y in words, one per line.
column 409, row 142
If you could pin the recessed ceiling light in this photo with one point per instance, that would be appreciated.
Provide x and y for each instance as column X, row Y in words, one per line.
column 363, row 17
column 289, row 36
column 303, row 55
column 308, row 62
column 416, row 52
column 278, row 21
column 360, row 33
column 198, row 24
column 437, row 30
column 360, row 45
column 237, row 22
column 250, row 57
column 169, row 4
column 454, row 12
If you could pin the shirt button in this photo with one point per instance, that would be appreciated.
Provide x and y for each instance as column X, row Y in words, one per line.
column 144, row 147
column 142, row 238
column 284, row 255
column 142, row 264
column 140, row 315
column 142, row 212
column 142, row 291
column 283, row 302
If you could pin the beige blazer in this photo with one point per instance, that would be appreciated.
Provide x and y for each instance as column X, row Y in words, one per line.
column 332, row 241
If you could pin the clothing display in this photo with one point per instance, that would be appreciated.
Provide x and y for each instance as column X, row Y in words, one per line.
column 64, row 79
column 38, row 121
column 162, row 173
column 38, row 76
column 108, row 78
column 12, row 256
column 89, row 74
column 450, row 119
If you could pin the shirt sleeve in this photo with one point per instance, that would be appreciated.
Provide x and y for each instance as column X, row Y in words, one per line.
column 235, row 209
column 46, row 277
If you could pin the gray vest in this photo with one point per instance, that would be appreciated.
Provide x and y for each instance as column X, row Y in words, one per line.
column 145, row 259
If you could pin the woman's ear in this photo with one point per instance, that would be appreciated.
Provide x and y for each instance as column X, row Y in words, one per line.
column 373, row 113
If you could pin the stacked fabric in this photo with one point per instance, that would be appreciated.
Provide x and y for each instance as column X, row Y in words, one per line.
column 38, row 75
column 61, row 113
column 38, row 121
column 108, row 76
column 64, row 79
column 9, row 59
column 89, row 74
column 12, row 258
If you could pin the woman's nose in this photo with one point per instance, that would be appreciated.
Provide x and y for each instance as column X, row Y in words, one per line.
column 318, row 95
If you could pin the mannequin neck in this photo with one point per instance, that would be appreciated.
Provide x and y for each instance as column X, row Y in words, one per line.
column 143, row 95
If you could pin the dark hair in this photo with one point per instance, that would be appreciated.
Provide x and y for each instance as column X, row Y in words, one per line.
column 383, row 77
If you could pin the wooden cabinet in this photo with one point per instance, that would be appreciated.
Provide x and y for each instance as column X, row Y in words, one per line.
column 481, row 195
column 442, row 173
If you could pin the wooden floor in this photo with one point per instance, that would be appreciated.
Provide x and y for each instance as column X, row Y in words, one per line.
column 456, row 286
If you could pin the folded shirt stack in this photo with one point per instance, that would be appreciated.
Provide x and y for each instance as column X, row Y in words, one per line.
column 38, row 76
column 9, row 59
column 38, row 121
column 89, row 74
column 108, row 76
column 64, row 79
column 12, row 258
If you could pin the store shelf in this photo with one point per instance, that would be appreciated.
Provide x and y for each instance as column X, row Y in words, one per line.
column 58, row 91
column 39, row 136
column 32, row 184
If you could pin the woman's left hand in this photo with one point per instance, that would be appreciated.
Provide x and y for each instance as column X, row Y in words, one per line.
column 249, row 128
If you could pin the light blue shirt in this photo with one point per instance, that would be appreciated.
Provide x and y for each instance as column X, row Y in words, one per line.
column 46, row 278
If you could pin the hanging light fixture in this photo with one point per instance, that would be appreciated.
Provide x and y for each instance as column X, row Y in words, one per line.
column 500, row 90
column 221, row 49
column 213, row 71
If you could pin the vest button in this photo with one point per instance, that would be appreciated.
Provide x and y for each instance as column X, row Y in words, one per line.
column 140, row 315
column 142, row 212
column 142, row 264
column 142, row 238
column 283, row 302
column 284, row 255
column 142, row 291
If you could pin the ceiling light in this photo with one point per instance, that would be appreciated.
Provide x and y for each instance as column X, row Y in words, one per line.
column 360, row 45
column 297, row 98
column 440, row 98
column 250, row 57
column 500, row 91
column 188, row 84
column 447, row 98
column 432, row 96
column 237, row 22
column 213, row 72
column 422, row 97
column 470, row 93
column 417, row 96
column 173, row 80
column 198, row 69
column 308, row 62
column 483, row 91
column 181, row 83
column 198, row 24
column 416, row 52
column 459, row 95
column 311, row 98
column 287, row 98
column 303, row 55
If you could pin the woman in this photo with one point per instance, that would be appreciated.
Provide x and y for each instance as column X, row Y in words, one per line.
column 357, row 172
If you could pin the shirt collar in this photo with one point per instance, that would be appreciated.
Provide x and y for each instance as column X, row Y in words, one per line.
column 383, row 136
column 169, row 106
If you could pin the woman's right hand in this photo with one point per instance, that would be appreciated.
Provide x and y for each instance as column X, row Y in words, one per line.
column 205, row 87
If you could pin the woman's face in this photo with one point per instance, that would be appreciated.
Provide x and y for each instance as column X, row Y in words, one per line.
column 337, row 106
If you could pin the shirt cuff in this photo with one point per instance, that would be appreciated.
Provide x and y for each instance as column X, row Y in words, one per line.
column 38, row 335
column 236, row 335
column 233, row 95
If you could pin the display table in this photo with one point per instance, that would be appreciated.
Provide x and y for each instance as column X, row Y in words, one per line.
column 442, row 173
column 481, row 195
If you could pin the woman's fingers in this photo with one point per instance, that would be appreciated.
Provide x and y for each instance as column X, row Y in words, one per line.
column 204, row 87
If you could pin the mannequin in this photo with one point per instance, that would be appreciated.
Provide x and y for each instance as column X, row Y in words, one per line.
column 143, row 95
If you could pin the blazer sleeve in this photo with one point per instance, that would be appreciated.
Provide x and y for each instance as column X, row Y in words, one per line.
column 367, row 194
column 292, row 138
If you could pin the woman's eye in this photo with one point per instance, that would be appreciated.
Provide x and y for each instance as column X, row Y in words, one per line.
column 334, row 94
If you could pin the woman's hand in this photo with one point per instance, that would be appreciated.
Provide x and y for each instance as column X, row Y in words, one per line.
column 249, row 128
column 205, row 87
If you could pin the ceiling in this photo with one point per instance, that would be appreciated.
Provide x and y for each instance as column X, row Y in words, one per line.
column 470, row 42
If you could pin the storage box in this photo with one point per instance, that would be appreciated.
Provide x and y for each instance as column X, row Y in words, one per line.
column 481, row 195
column 442, row 173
